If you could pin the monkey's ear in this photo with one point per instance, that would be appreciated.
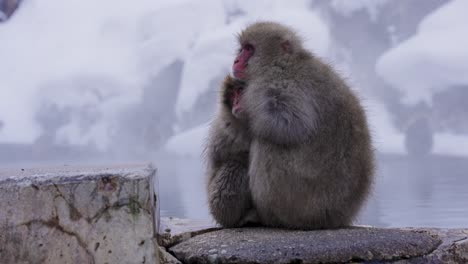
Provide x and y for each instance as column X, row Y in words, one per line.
column 286, row 46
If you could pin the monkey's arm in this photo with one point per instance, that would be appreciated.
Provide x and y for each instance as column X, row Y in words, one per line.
column 228, row 193
column 227, row 156
column 280, row 116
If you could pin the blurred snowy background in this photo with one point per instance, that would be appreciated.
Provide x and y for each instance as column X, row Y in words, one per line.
column 113, row 81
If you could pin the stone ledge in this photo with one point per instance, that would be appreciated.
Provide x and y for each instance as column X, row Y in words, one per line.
column 351, row 245
column 175, row 230
column 78, row 215
column 454, row 247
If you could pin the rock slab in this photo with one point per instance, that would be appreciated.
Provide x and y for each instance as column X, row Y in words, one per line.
column 263, row 245
column 78, row 215
column 173, row 230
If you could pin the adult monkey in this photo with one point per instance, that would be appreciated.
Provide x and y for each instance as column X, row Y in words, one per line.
column 310, row 160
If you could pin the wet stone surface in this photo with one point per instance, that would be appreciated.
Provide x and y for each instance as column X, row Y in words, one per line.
column 75, row 214
column 263, row 245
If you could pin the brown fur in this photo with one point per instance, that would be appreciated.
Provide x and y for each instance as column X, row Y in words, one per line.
column 227, row 155
column 310, row 158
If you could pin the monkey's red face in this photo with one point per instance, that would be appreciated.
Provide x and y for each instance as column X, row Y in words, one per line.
column 232, row 95
column 242, row 61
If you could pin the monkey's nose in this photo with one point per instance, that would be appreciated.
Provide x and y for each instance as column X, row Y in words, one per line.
column 236, row 61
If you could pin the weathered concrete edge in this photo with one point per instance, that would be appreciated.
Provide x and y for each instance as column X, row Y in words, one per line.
column 75, row 174
column 155, row 213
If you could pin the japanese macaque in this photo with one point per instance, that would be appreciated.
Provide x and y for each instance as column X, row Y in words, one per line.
column 290, row 146
column 228, row 159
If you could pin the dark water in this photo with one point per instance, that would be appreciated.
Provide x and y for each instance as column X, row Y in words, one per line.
column 430, row 191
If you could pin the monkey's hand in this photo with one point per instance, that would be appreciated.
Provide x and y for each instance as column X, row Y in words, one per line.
column 281, row 116
column 228, row 193
column 227, row 140
column 231, row 83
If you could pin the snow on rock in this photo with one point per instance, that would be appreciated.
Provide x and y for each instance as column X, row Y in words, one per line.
column 56, row 40
column 188, row 143
column 170, row 32
column 210, row 57
column 434, row 58
column 387, row 139
column 118, row 44
column 89, row 103
column 214, row 50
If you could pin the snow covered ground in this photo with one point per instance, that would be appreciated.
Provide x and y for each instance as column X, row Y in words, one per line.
column 434, row 58
column 430, row 61
column 62, row 40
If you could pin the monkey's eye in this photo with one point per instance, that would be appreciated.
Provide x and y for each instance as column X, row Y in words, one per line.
column 248, row 47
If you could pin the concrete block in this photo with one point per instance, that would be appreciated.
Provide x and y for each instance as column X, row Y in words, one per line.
column 78, row 215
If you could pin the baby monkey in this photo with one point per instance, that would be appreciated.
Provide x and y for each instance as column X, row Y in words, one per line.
column 227, row 155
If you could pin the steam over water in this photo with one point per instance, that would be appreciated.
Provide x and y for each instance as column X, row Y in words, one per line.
column 113, row 81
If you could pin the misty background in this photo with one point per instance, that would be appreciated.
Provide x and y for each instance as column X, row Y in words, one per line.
column 116, row 81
